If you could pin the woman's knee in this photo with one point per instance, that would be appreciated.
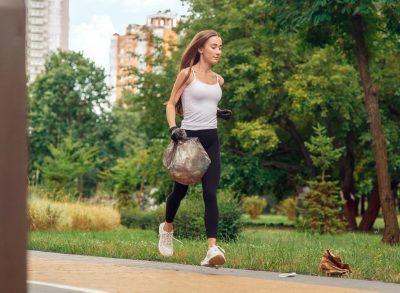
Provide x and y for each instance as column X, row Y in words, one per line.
column 210, row 196
column 178, row 193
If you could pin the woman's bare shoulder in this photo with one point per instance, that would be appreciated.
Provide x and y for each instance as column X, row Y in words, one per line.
column 184, row 75
column 185, row 71
column 220, row 79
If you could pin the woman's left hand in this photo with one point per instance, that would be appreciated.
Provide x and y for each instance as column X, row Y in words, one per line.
column 224, row 114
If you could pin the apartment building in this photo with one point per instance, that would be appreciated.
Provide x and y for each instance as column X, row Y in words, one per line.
column 47, row 29
column 128, row 52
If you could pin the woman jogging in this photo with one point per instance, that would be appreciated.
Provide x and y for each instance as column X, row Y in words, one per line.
column 195, row 95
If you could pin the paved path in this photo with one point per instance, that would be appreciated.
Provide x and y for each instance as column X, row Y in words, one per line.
column 62, row 273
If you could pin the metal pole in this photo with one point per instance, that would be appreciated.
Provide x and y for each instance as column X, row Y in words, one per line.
column 13, row 147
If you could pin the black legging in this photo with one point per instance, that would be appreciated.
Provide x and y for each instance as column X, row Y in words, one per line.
column 209, row 140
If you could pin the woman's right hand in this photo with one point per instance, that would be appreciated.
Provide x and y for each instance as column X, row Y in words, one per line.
column 177, row 133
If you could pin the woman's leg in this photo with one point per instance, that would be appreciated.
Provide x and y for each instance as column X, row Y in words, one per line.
column 173, row 201
column 210, row 183
column 165, row 245
column 209, row 140
column 215, row 254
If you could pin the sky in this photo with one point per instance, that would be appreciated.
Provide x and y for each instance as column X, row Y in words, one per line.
column 93, row 22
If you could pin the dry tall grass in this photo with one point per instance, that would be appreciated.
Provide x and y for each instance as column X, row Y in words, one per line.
column 44, row 214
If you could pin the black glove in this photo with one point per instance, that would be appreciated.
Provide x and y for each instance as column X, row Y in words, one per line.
column 224, row 114
column 177, row 133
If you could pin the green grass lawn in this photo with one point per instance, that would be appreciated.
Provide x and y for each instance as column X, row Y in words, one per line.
column 256, row 249
column 282, row 221
column 267, row 220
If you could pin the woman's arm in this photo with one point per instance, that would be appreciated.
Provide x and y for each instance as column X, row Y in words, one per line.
column 221, row 82
column 225, row 113
column 175, row 95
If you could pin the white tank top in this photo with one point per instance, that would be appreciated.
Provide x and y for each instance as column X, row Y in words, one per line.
column 199, row 102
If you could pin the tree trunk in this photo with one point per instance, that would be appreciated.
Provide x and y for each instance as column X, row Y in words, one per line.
column 394, row 187
column 372, row 211
column 347, row 183
column 79, row 185
column 362, row 204
column 357, row 203
column 290, row 127
column 391, row 234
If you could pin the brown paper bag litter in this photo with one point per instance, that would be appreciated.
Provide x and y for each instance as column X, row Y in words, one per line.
column 332, row 265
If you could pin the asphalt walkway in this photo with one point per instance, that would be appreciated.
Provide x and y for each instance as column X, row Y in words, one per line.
column 63, row 273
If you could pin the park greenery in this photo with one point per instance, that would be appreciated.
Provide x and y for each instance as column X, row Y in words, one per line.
column 314, row 91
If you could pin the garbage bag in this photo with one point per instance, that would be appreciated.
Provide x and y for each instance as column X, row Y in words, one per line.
column 186, row 160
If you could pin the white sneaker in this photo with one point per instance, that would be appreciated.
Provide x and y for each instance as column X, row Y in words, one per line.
column 215, row 257
column 165, row 245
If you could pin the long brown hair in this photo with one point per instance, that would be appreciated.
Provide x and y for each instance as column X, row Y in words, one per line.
column 191, row 56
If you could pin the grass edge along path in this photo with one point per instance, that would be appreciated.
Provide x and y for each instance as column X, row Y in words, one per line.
column 256, row 249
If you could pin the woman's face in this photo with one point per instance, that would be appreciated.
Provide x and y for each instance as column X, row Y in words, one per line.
column 212, row 50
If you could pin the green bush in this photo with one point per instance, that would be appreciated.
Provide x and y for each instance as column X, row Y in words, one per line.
column 138, row 218
column 230, row 213
column 125, row 178
column 189, row 220
column 288, row 207
column 321, row 210
column 322, row 207
column 254, row 205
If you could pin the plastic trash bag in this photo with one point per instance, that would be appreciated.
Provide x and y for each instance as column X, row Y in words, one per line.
column 186, row 160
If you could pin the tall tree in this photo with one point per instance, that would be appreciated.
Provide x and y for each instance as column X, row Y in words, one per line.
column 63, row 170
column 70, row 95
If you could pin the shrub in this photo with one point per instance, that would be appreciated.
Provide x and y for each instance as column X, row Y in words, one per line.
column 138, row 172
column 90, row 217
column 44, row 214
column 125, row 178
column 321, row 210
column 288, row 207
column 189, row 220
column 138, row 218
column 230, row 213
column 155, row 173
column 254, row 205
column 322, row 206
